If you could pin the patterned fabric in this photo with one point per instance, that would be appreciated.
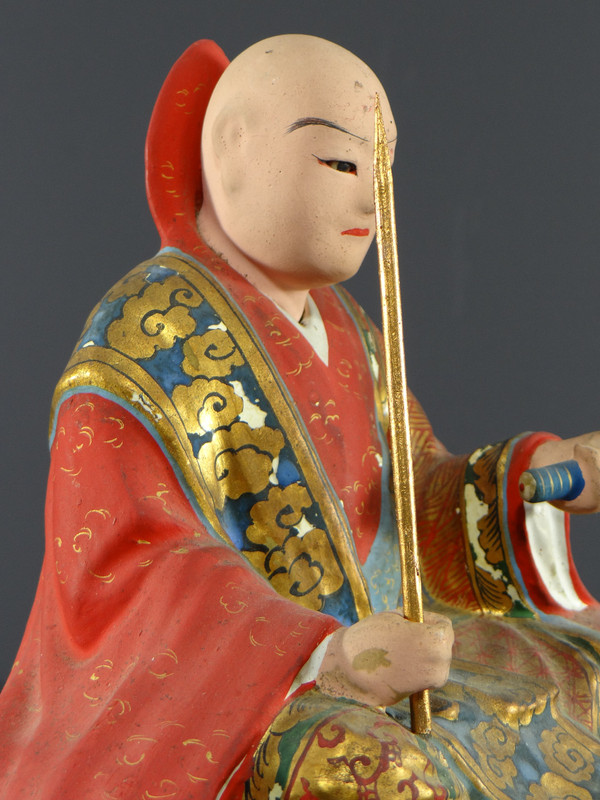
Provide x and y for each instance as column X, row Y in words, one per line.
column 172, row 343
column 517, row 719
column 491, row 739
column 124, row 685
column 213, row 513
column 323, row 748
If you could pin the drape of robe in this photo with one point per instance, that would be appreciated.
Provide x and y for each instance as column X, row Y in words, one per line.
column 214, row 511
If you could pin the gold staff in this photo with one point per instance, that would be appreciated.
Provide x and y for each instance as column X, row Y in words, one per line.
column 404, row 491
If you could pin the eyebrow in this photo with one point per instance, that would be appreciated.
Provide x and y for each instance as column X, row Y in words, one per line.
column 304, row 121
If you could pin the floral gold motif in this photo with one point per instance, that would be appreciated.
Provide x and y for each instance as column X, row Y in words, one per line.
column 491, row 574
column 344, row 753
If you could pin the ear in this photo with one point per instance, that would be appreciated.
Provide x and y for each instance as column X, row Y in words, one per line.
column 229, row 142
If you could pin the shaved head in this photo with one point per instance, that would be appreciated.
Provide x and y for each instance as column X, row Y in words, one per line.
column 310, row 70
column 305, row 72
column 288, row 115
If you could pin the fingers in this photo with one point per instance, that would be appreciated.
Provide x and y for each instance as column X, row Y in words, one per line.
column 586, row 449
column 385, row 657
column 587, row 453
column 588, row 458
column 431, row 618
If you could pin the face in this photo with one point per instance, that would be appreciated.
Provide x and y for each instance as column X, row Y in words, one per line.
column 302, row 207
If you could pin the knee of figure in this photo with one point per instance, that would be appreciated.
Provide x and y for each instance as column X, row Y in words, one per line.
column 347, row 752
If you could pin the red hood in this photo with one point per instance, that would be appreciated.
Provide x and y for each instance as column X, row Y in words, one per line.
column 173, row 166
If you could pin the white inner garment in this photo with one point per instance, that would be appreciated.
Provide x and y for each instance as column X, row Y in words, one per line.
column 312, row 328
column 546, row 533
column 311, row 668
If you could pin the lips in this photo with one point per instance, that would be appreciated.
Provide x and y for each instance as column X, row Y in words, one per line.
column 356, row 232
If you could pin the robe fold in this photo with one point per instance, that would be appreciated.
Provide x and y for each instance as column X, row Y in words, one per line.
column 213, row 513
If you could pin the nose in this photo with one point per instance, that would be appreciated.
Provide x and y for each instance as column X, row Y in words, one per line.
column 366, row 198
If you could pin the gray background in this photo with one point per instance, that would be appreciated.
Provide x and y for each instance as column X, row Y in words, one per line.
column 498, row 199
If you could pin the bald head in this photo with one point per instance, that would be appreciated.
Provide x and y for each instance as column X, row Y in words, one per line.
column 287, row 150
column 307, row 72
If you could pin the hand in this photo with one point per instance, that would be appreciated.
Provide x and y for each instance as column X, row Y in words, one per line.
column 586, row 451
column 384, row 657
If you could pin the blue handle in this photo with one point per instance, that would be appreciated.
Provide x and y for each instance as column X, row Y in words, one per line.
column 562, row 481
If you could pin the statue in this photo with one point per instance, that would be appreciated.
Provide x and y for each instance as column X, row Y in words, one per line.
column 217, row 614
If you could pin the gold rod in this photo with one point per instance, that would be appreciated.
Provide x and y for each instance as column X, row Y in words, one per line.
column 402, row 471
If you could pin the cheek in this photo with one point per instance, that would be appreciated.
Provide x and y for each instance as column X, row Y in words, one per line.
column 326, row 197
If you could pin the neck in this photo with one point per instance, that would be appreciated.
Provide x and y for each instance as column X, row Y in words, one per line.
column 292, row 300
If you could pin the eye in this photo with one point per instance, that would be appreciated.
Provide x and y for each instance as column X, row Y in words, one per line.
column 339, row 166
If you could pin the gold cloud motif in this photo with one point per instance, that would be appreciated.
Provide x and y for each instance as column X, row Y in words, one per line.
column 213, row 354
column 303, row 568
column 207, row 405
column 273, row 517
column 495, row 745
column 155, row 319
column 131, row 284
column 566, row 756
column 553, row 787
column 239, row 459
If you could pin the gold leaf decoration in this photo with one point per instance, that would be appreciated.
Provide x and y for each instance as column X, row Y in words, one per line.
column 239, row 459
column 274, row 516
column 154, row 319
column 213, row 354
column 206, row 405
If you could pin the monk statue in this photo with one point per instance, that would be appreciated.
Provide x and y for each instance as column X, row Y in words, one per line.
column 219, row 610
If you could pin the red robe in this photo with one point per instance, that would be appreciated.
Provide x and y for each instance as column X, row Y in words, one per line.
column 143, row 665
column 125, row 677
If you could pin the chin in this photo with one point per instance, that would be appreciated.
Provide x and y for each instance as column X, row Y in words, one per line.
column 345, row 272
column 333, row 276
column 315, row 275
